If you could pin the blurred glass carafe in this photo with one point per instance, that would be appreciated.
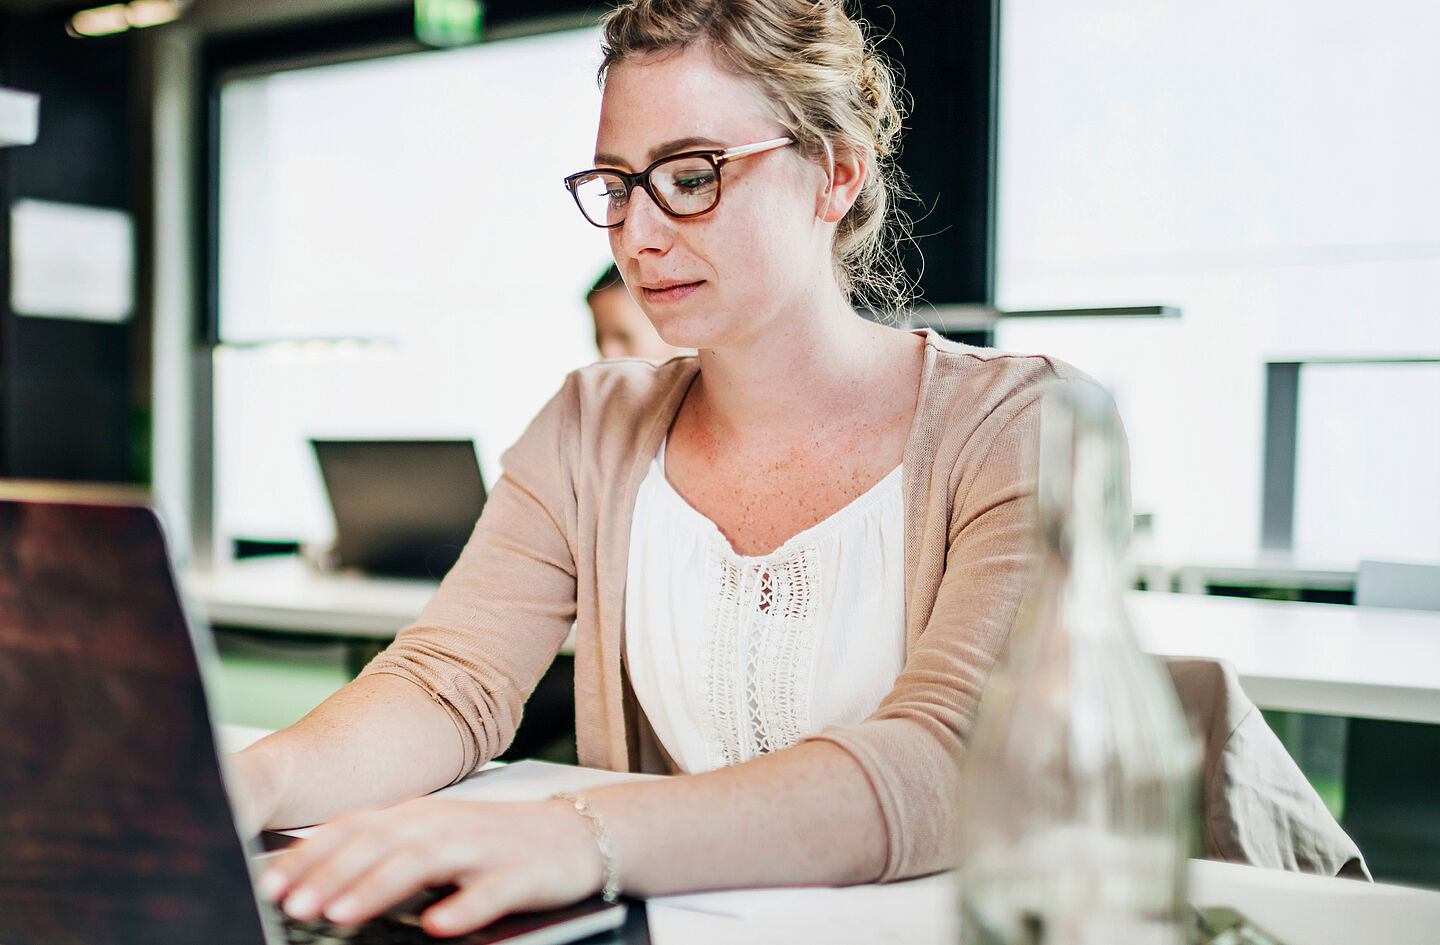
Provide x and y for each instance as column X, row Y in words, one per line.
column 1078, row 780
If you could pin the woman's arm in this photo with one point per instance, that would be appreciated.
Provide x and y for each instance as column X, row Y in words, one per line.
column 805, row 815
column 448, row 694
column 377, row 741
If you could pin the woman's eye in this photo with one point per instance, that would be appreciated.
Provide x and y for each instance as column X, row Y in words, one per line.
column 694, row 182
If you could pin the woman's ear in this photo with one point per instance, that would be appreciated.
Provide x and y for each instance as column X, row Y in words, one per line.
column 847, row 176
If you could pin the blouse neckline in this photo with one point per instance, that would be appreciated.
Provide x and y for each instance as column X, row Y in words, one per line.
column 836, row 520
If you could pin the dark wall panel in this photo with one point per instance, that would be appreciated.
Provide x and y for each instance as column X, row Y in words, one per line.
column 947, row 53
column 65, row 386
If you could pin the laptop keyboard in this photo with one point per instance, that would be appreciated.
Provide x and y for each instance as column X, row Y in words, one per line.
column 399, row 926
column 390, row 930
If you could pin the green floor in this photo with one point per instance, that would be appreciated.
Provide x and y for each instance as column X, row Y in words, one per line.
column 1317, row 743
column 271, row 682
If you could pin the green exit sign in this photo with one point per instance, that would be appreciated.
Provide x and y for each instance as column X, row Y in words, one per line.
column 448, row 22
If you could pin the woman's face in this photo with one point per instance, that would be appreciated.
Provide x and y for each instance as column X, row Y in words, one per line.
column 720, row 278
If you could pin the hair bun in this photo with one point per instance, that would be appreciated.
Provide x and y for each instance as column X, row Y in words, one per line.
column 870, row 78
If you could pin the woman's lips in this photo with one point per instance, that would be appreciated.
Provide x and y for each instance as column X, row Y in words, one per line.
column 670, row 293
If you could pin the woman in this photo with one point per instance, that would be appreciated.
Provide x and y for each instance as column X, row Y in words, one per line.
column 790, row 561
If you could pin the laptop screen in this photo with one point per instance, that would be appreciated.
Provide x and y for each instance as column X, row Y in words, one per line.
column 114, row 820
column 403, row 507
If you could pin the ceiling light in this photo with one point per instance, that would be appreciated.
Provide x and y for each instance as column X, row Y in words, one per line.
column 101, row 21
column 119, row 17
column 152, row 12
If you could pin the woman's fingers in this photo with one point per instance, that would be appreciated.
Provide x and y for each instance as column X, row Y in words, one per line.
column 406, row 871
column 310, row 875
column 503, row 857
column 479, row 901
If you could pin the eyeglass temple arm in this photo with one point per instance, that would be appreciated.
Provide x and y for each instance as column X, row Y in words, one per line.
column 745, row 150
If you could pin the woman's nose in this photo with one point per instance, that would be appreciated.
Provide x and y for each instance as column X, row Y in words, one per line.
column 646, row 226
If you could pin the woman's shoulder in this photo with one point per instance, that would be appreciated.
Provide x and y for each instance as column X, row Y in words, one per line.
column 972, row 398
column 603, row 416
column 960, row 363
column 984, row 380
column 628, row 386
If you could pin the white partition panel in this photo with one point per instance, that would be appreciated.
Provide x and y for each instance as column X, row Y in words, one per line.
column 1383, row 500
column 1267, row 168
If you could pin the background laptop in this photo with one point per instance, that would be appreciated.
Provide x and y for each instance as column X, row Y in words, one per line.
column 401, row 507
column 115, row 826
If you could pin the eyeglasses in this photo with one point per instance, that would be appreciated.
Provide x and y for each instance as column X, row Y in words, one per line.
column 683, row 185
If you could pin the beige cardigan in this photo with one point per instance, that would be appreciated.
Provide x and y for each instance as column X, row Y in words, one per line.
column 552, row 547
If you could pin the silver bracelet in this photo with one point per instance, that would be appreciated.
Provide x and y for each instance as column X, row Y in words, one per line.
column 609, row 869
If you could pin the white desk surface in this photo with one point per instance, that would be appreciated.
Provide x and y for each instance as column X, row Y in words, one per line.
column 1295, row 908
column 1326, row 658
column 286, row 594
column 1298, row 909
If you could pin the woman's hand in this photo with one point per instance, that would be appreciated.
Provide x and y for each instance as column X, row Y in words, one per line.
column 503, row 857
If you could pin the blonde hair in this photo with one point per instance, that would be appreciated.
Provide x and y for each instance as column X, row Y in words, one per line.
column 831, row 90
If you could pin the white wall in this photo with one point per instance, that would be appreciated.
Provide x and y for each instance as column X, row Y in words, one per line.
column 415, row 205
column 1270, row 169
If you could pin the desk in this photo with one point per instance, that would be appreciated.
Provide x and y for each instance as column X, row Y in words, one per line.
column 1272, row 569
column 1327, row 658
column 1333, row 659
column 1301, row 910
column 283, row 593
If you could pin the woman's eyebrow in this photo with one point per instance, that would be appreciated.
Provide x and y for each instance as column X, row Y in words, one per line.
column 661, row 150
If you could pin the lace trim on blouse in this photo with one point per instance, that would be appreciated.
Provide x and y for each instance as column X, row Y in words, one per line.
column 754, row 664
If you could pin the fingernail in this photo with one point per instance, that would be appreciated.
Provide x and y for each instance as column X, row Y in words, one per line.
column 302, row 904
column 272, row 884
column 440, row 920
column 343, row 909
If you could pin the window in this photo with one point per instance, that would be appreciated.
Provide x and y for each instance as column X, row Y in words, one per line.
column 398, row 258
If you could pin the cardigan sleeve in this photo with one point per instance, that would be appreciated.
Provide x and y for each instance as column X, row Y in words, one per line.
column 910, row 746
column 500, row 616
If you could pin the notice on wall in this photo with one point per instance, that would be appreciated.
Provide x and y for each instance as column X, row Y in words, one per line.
column 71, row 261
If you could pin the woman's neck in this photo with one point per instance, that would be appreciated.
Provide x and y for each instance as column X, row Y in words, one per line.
column 804, row 369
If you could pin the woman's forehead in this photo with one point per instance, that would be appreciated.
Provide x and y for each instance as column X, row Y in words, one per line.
column 661, row 98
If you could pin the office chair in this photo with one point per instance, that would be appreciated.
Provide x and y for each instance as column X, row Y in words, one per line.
column 1392, row 769
column 1256, row 807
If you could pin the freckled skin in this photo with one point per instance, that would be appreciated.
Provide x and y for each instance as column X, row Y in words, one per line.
column 761, row 489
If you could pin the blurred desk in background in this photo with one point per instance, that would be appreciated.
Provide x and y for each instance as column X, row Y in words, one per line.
column 284, row 594
column 1322, row 658
column 1277, row 570
column 1330, row 659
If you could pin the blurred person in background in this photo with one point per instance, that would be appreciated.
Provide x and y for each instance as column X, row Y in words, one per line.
column 622, row 330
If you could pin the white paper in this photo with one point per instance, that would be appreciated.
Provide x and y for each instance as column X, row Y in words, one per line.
column 916, row 912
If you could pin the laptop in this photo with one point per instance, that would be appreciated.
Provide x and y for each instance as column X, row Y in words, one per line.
column 115, row 825
column 401, row 507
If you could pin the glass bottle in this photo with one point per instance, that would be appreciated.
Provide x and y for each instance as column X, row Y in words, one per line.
column 1078, row 780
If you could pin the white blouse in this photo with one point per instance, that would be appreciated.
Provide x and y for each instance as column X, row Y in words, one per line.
column 732, row 656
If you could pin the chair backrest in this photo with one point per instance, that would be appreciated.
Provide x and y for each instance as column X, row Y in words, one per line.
column 1397, row 584
column 1256, row 805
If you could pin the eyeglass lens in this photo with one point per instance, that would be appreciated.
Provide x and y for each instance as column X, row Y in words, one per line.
column 684, row 186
